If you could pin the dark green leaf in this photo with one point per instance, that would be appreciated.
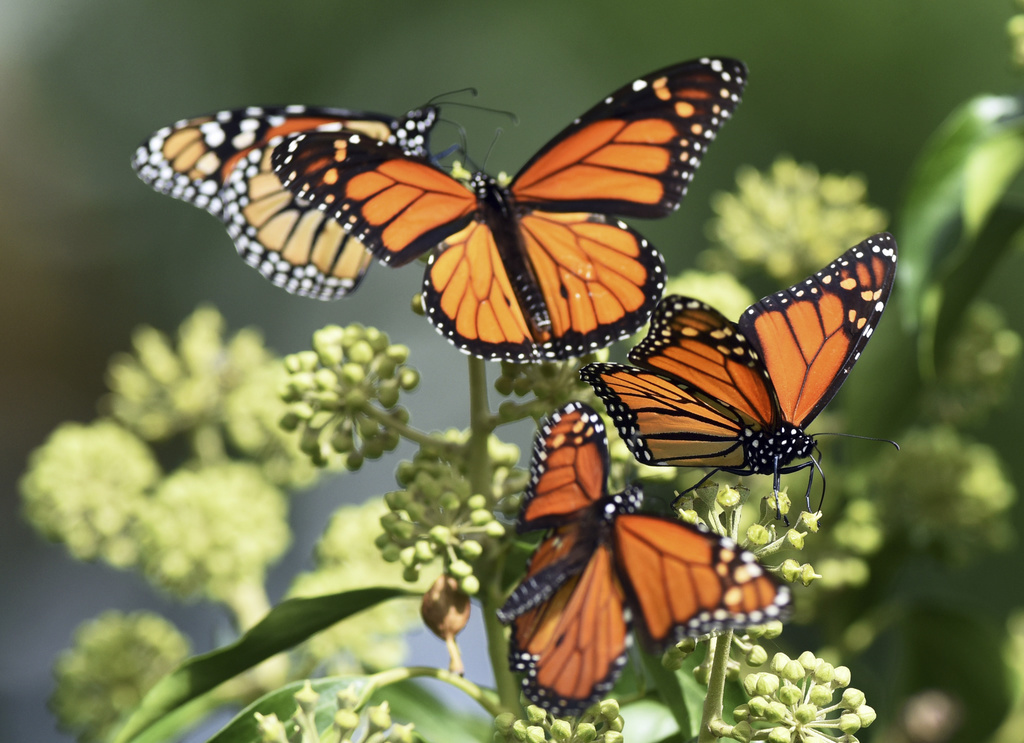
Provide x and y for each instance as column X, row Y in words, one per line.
column 288, row 624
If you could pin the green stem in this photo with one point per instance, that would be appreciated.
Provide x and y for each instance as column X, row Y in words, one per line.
column 484, row 697
column 480, row 473
column 448, row 448
column 719, row 647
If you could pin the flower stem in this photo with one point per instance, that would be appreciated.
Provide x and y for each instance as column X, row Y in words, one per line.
column 484, row 697
column 719, row 648
column 408, row 432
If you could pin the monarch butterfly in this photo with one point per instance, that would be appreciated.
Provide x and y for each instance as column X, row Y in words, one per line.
column 712, row 393
column 221, row 163
column 603, row 566
column 537, row 269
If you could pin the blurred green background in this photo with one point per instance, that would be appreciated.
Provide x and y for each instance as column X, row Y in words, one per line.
column 90, row 252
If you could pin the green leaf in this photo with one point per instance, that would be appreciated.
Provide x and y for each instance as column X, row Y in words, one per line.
column 648, row 719
column 679, row 691
column 288, row 624
column 435, row 720
column 958, row 178
column 243, row 727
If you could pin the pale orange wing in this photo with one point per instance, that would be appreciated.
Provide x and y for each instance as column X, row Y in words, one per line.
column 686, row 582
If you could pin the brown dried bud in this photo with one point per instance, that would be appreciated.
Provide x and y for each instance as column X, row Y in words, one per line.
column 445, row 610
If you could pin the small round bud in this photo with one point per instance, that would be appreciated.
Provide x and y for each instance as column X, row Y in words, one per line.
column 519, row 730
column 809, row 521
column 842, row 677
column 387, row 395
column 758, row 705
column 805, row 713
column 460, row 569
column 613, row 736
column 742, row 732
column 408, row 379
column 476, row 502
column 585, row 732
column 407, row 556
column 807, row 660
column 793, row 671
column 767, row 684
column 402, row 734
column 820, row 695
column 379, row 717
column 608, row 709
column 503, row 722
column 352, row 374
column 449, row 501
column 849, row 723
column 425, row 551
column 470, row 549
column 867, row 714
column 495, row 529
column 535, row 734
column 807, row 574
column 795, row 538
column 852, row 699
column 411, row 574
column 535, row 715
column 470, row 585
column 790, row 570
column 561, row 731
column 775, row 712
column 757, row 656
column 780, row 735
column 416, row 305
column 757, row 535
column 789, row 694
column 480, row 517
column 728, row 497
column 306, row 698
column 397, row 353
column 346, row 719
column 440, row 534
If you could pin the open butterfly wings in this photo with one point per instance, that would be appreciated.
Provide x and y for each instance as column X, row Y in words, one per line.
column 539, row 269
column 221, row 163
column 711, row 393
column 604, row 566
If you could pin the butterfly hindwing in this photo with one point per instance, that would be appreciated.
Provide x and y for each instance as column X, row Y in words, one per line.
column 222, row 163
column 811, row 334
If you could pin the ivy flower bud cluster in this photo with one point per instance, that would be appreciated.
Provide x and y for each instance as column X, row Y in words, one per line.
column 550, row 385
column 602, row 723
column 350, row 724
column 435, row 515
column 343, row 395
column 794, row 701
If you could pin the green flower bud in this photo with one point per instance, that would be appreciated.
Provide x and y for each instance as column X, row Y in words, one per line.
column 425, row 551
column 789, row 694
column 352, row 374
column 807, row 574
column 408, row 379
column 758, row 705
column 379, row 717
column 301, row 410
column 411, row 574
column 306, row 698
column 325, row 379
column 535, row 715
column 820, row 695
column 780, row 735
column 849, row 723
column 793, row 671
column 866, row 713
column 757, row 535
column 742, row 732
column 397, row 353
column 470, row 549
column 347, row 720
column 728, row 497
column 809, row 521
column 460, row 569
column 795, row 538
column 750, row 683
column 613, row 736
column 519, row 730
column 408, row 556
column 476, row 502
column 353, row 461
column 386, row 369
column 757, row 656
column 790, row 570
column 807, row 660
column 766, row 684
column 609, row 709
column 824, row 672
column 852, row 699
column 503, row 722
column 561, row 731
column 402, row 734
column 842, row 677
column 441, row 535
column 805, row 713
column 535, row 734
column 494, row 529
column 271, row 729
column 470, row 585
column 503, row 385
column 585, row 732
column 390, row 552
column 480, row 517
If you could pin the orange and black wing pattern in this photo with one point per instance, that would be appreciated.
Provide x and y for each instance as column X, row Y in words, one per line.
column 810, row 335
column 398, row 205
column 634, row 153
column 665, row 422
column 222, row 163
column 568, row 469
column 686, row 582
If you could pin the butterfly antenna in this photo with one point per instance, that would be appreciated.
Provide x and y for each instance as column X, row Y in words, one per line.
column 821, row 472
column 855, row 436
column 438, row 100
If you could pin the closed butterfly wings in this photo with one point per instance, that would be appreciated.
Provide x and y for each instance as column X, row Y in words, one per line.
column 538, row 269
column 221, row 163
column 604, row 566
column 708, row 392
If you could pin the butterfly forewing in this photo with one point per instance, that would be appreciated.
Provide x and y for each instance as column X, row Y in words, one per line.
column 695, row 343
column 811, row 334
column 634, row 153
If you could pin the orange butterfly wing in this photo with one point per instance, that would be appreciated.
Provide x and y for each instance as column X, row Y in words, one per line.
column 572, row 646
column 663, row 422
column 811, row 334
column 635, row 152
column 222, row 163
column 688, row 582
